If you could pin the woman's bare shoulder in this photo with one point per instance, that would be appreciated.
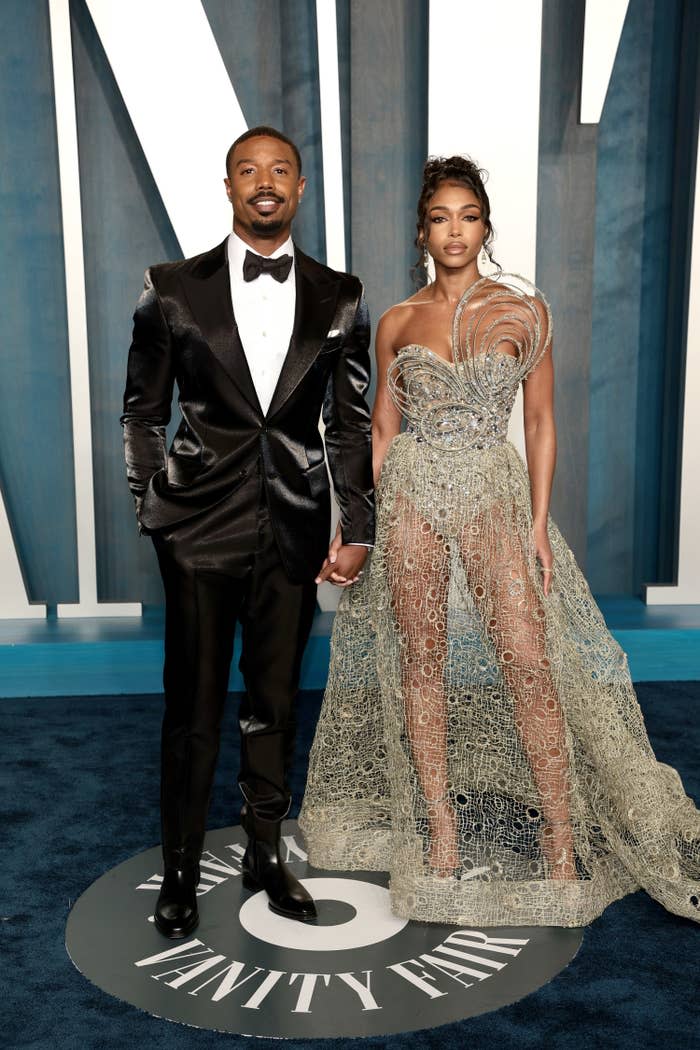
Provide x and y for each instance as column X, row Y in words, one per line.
column 400, row 314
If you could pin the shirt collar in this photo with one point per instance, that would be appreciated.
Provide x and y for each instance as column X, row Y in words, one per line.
column 236, row 249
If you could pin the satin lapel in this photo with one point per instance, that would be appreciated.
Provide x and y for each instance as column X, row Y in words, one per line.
column 209, row 297
column 315, row 307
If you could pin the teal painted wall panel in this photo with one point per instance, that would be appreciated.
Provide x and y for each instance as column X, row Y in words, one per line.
column 623, row 465
column 36, row 444
column 565, row 246
column 634, row 189
column 125, row 229
column 383, row 58
column 270, row 51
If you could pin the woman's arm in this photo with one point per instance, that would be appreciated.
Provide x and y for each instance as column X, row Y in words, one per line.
column 541, row 452
column 386, row 418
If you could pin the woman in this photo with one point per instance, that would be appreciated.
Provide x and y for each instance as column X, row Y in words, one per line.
column 480, row 737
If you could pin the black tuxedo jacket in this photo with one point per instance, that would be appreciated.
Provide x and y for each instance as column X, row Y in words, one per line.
column 185, row 333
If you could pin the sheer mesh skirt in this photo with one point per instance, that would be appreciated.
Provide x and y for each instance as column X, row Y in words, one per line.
column 478, row 740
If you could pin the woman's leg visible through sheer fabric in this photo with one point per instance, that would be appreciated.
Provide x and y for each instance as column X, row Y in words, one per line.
column 418, row 569
column 513, row 616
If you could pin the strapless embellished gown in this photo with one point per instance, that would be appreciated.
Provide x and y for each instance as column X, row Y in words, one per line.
column 478, row 740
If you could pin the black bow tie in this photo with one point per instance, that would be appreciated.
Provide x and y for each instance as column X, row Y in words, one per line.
column 254, row 265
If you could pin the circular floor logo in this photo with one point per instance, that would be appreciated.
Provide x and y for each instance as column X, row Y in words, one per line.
column 357, row 971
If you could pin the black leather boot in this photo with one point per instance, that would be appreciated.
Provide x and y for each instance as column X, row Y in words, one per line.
column 176, row 913
column 264, row 869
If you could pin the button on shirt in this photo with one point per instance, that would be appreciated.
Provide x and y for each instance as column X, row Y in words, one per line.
column 264, row 311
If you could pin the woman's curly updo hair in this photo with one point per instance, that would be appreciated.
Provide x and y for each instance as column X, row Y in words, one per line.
column 451, row 169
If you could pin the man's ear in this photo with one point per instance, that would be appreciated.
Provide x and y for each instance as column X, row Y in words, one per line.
column 227, row 184
column 301, row 186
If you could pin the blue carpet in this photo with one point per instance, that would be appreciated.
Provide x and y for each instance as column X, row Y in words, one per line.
column 78, row 794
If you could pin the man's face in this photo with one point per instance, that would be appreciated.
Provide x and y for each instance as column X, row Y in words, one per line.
column 264, row 188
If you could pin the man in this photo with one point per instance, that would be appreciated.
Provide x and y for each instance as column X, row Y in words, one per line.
column 259, row 338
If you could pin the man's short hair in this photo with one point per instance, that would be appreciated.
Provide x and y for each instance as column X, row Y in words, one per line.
column 268, row 132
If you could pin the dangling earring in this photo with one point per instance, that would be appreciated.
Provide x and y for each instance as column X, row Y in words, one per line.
column 483, row 258
column 426, row 258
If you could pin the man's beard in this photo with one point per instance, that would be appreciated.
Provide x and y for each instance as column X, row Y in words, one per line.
column 267, row 229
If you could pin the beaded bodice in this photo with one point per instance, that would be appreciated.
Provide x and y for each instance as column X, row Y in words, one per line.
column 500, row 330
column 440, row 405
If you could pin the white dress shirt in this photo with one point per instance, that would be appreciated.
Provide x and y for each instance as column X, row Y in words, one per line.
column 264, row 311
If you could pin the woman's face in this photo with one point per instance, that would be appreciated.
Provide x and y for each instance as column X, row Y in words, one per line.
column 455, row 230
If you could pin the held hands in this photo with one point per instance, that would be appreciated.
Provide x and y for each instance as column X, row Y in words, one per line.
column 543, row 553
column 343, row 566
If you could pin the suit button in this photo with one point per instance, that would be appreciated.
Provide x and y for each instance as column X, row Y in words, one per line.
column 271, row 475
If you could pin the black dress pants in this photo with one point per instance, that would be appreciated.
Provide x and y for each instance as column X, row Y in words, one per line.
column 212, row 583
